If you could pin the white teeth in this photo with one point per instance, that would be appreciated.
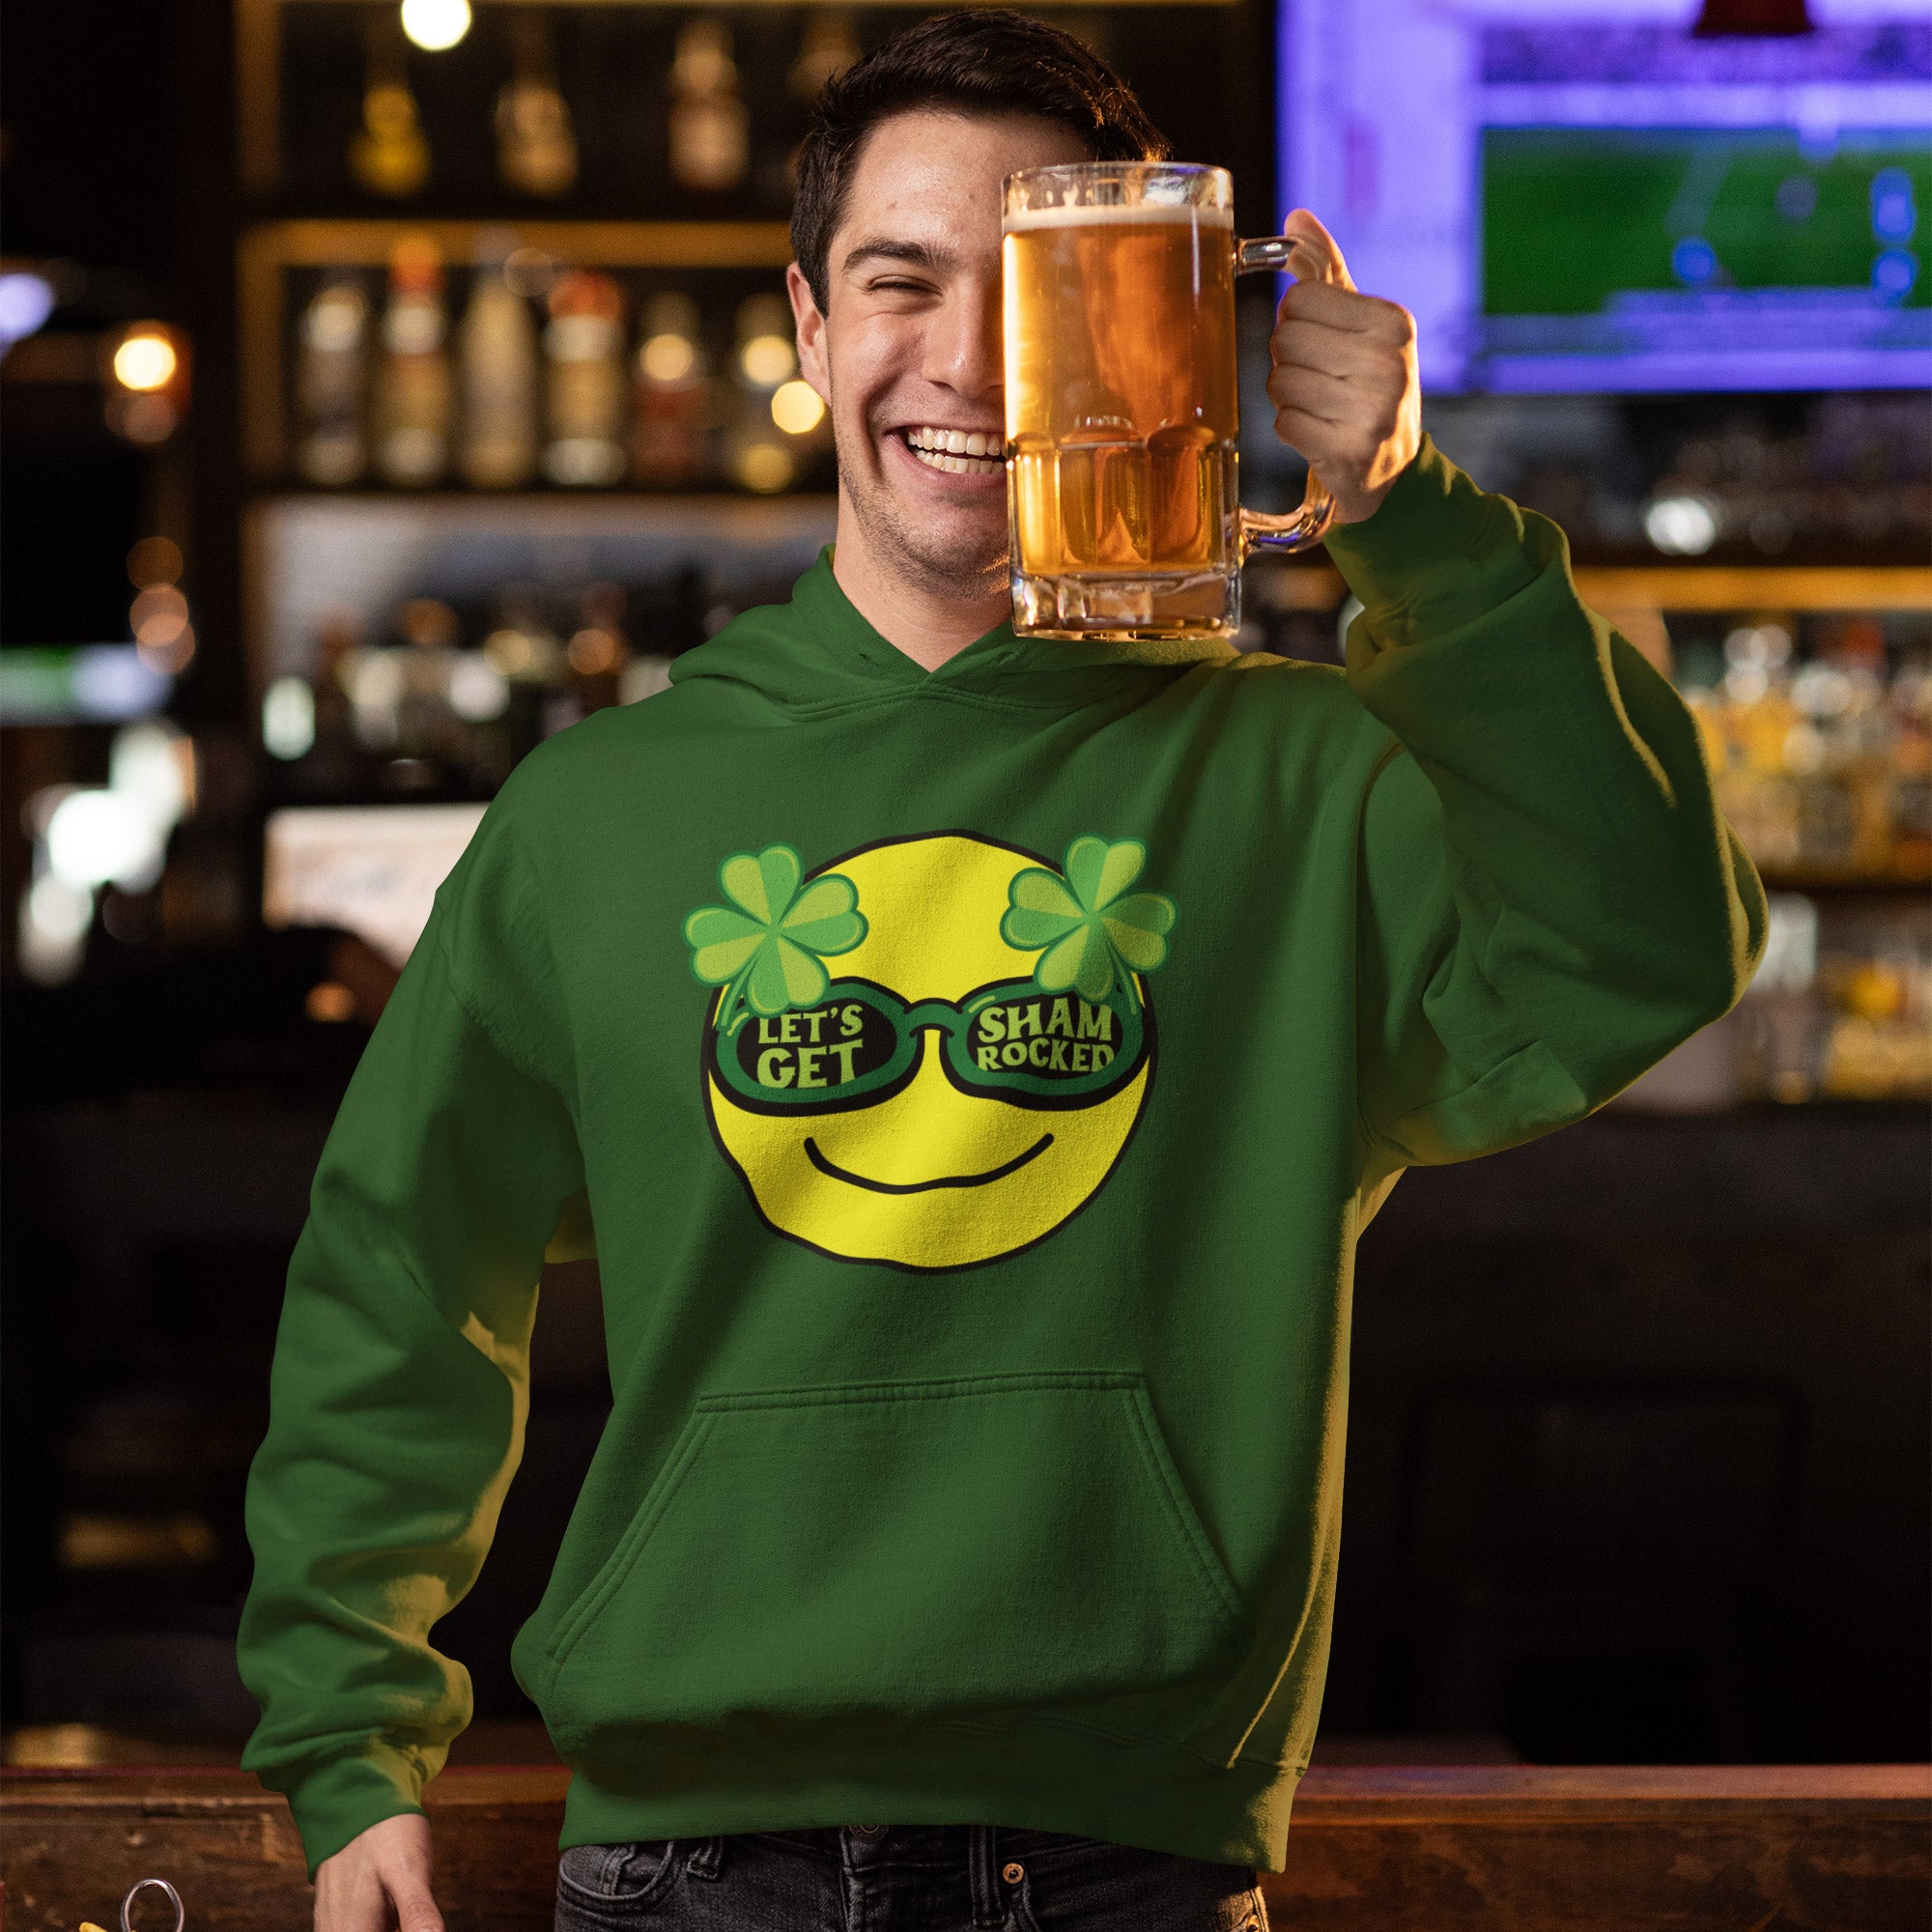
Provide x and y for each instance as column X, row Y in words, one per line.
column 956, row 441
column 957, row 452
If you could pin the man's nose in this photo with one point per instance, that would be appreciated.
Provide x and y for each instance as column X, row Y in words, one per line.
column 963, row 346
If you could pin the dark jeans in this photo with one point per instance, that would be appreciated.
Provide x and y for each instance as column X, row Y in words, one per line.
column 900, row 1877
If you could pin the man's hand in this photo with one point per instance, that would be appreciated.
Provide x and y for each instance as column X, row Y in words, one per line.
column 1343, row 382
column 378, row 1882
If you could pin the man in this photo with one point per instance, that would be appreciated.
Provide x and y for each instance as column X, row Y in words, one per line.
column 976, row 1058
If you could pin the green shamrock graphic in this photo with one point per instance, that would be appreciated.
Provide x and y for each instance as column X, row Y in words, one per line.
column 1086, row 925
column 768, row 946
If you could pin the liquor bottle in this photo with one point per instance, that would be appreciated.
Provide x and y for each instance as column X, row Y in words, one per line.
column 426, row 726
column 830, row 47
column 524, row 651
column 335, row 762
column 598, row 650
column 583, row 346
column 388, row 154
column 673, row 394
column 536, row 145
column 331, row 382
column 499, row 384
column 413, row 378
column 710, row 142
column 765, row 359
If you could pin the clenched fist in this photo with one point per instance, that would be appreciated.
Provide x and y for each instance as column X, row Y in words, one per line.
column 1343, row 382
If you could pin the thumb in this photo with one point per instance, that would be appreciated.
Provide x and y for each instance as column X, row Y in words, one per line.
column 414, row 1909
column 1317, row 256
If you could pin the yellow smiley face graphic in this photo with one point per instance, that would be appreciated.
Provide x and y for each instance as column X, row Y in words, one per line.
column 932, row 1052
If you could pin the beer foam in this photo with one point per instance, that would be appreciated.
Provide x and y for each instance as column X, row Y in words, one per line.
column 1148, row 214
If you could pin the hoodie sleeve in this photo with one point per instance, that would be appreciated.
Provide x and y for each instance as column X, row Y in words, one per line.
column 400, row 1382
column 1550, row 897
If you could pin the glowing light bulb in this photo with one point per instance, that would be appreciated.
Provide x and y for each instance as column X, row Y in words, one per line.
column 435, row 24
column 145, row 361
column 797, row 409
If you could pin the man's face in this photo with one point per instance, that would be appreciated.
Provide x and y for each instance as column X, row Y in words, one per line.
column 908, row 357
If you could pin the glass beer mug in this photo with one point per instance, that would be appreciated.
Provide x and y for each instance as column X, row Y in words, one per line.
column 1120, row 412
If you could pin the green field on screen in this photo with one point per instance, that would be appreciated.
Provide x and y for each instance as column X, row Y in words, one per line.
column 1572, row 216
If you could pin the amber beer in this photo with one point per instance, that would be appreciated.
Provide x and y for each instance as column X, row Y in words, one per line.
column 1122, row 409
column 1121, row 404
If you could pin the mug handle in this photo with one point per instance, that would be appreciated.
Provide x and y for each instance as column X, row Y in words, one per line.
column 1307, row 525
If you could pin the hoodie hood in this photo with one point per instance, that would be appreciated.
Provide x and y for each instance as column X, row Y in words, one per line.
column 817, row 651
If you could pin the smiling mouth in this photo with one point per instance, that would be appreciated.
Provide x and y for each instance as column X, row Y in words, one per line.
column 957, row 452
column 833, row 1171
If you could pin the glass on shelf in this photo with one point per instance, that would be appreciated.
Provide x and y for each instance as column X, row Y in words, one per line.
column 388, row 154
column 536, row 143
column 331, row 381
column 710, row 129
column 500, row 383
column 584, row 352
column 414, row 398
column 672, row 410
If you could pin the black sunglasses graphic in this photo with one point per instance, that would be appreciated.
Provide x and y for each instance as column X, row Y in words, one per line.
column 860, row 1044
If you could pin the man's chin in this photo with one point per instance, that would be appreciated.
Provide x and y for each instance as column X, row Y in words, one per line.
column 966, row 576
column 951, row 550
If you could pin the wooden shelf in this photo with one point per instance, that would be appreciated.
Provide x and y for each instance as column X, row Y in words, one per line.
column 1847, row 886
column 1694, row 586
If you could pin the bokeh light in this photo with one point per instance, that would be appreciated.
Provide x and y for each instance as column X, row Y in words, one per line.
column 144, row 360
column 767, row 360
column 154, row 560
column 797, row 408
column 435, row 24
column 668, row 358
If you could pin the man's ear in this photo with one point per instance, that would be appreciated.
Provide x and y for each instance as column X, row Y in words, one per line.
column 812, row 362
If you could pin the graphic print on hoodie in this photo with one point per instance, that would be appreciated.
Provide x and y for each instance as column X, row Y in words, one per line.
column 933, row 1051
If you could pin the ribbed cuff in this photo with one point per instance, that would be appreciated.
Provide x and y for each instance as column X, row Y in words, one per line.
column 340, row 1798
column 1438, row 554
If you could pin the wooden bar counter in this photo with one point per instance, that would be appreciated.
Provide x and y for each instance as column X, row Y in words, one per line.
column 1832, row 1848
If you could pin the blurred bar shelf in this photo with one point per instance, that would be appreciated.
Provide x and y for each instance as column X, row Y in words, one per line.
column 269, row 252
column 1812, row 1848
column 1691, row 586
column 259, row 52
column 308, row 550
column 1846, row 885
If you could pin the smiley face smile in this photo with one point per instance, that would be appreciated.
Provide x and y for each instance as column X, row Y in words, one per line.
column 834, row 1171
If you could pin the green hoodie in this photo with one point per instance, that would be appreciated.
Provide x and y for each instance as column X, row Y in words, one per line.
column 978, row 1081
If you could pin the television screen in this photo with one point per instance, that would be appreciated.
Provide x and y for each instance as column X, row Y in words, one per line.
column 1578, row 197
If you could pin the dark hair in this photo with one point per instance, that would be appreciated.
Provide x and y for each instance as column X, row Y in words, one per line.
column 981, row 62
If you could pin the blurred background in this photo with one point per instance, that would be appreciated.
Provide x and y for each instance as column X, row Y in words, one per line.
column 386, row 387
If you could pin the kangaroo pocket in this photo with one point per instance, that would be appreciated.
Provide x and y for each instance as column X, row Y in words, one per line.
column 897, row 1551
